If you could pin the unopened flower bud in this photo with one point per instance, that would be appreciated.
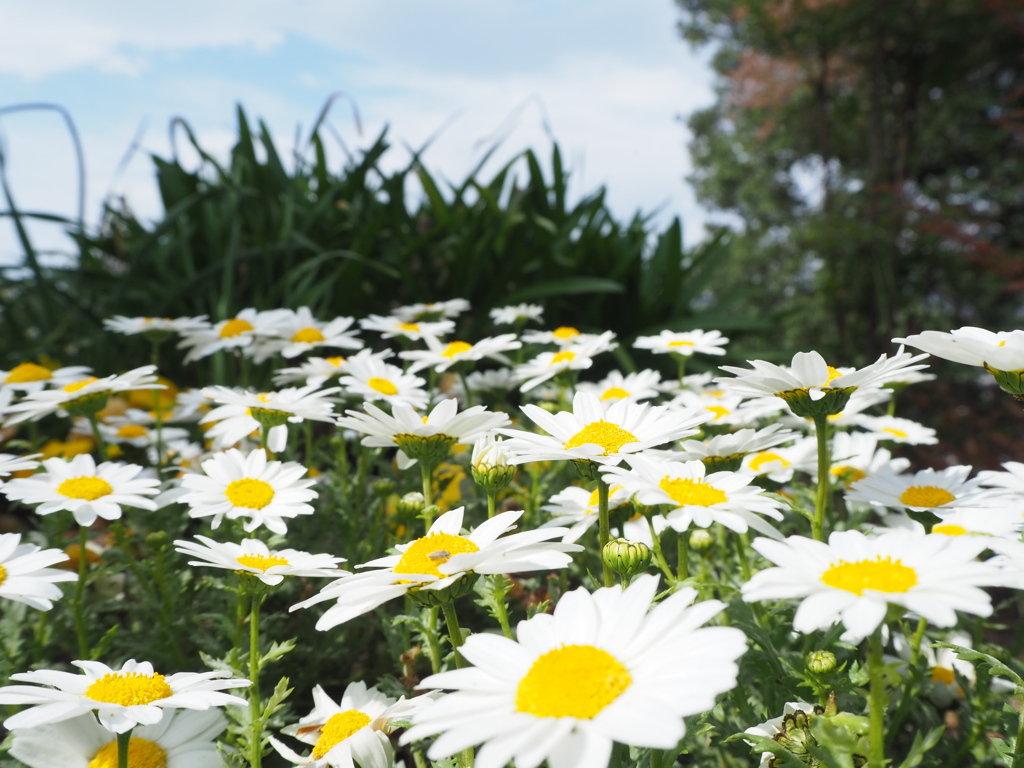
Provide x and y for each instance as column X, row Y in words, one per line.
column 383, row 487
column 411, row 504
column 821, row 662
column 729, row 463
column 700, row 539
column 490, row 467
column 626, row 558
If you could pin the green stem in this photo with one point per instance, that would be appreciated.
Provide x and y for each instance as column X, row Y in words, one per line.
column 158, row 413
column 1018, row 746
column 256, row 725
column 465, row 386
column 659, row 556
column 101, row 446
column 604, row 529
column 432, row 643
column 426, row 472
column 492, row 498
column 83, row 575
column 656, row 758
column 744, row 556
column 123, row 741
column 681, row 362
column 498, row 580
column 876, row 701
column 454, row 631
column 683, row 555
column 824, row 484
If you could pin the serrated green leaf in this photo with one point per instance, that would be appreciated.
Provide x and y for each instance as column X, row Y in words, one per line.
column 996, row 667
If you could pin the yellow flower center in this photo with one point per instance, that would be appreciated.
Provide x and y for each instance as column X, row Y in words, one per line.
column 3, row 574
column 249, row 493
column 80, row 384
column 718, row 410
column 833, row 374
column 692, row 492
column 87, row 488
column 572, row 681
column 926, row 496
column 766, row 457
column 261, row 562
column 414, row 327
column 847, row 473
column 337, row 729
column 129, row 689
column 130, row 431
column 456, row 348
column 609, row 436
column 943, row 675
column 383, row 386
column 565, row 332
column 681, row 344
column 235, row 327
column 425, row 554
column 26, row 372
column 563, row 357
column 613, row 393
column 142, row 753
column 880, row 575
column 335, row 361
column 308, row 336
column 895, row 432
column 948, row 529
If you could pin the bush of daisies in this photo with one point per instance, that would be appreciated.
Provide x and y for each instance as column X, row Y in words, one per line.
column 377, row 543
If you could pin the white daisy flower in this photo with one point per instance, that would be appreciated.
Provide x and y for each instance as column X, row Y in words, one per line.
column 854, row 578
column 133, row 326
column 440, row 559
column 182, row 739
column 443, row 356
column 573, row 357
column 122, row 699
column 577, row 508
column 24, row 575
column 734, row 445
column 1002, row 350
column 1001, row 526
column 78, row 393
column 563, row 336
column 695, row 498
column 1012, row 479
column 772, row 727
column 392, row 327
column 852, row 414
column 354, row 731
column 253, row 556
column 370, row 378
column 856, row 455
column 496, row 380
column 592, row 433
column 237, row 414
column 11, row 463
column 85, row 490
column 516, row 313
column 251, row 487
column 298, row 332
column 315, row 371
column 31, row 377
column 726, row 410
column 235, row 333
column 925, row 491
column 642, row 385
column 898, row 430
column 605, row 667
column 126, row 431
column 684, row 343
column 431, row 310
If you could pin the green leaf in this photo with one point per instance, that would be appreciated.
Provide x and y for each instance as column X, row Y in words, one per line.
column 276, row 651
column 921, row 746
column 996, row 667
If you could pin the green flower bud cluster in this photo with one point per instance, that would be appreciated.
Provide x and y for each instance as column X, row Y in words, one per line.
column 626, row 558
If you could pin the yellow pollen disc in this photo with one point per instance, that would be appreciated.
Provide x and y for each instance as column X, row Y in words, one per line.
column 426, row 554
column 129, row 689
column 926, row 496
column 77, row 385
column 943, row 675
column 832, row 375
column 335, row 361
column 565, row 332
column 692, row 492
column 142, row 753
column 3, row 574
column 26, row 372
column 563, row 357
column 414, row 327
column 249, row 493
column 948, row 529
column 614, row 393
column 1001, row 343
column 766, row 457
column 880, row 575
column 895, row 432
column 715, row 393
column 383, row 386
column 681, row 344
column 337, row 729
column 130, row 431
column 308, row 336
column 235, row 327
column 572, row 681
column 261, row 562
column 848, row 474
column 456, row 348
column 87, row 488
column 718, row 410
column 609, row 436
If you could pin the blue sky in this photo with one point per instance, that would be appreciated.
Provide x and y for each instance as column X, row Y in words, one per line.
column 610, row 78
